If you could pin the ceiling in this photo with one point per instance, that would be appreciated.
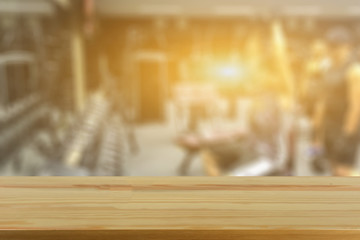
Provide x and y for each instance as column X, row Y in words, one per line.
column 40, row 7
column 228, row 7
column 199, row 8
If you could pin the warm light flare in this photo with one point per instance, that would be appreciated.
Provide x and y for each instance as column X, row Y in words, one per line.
column 228, row 72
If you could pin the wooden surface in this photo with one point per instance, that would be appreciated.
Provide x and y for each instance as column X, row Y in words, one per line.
column 179, row 208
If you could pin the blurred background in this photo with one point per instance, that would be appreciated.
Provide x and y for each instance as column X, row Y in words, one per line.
column 189, row 88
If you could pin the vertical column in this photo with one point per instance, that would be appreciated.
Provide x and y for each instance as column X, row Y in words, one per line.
column 77, row 54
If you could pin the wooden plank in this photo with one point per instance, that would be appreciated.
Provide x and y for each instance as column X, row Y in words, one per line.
column 179, row 208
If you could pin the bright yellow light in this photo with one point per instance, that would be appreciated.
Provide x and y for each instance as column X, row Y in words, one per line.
column 229, row 72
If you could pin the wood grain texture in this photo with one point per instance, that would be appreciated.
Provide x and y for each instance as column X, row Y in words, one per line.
column 179, row 208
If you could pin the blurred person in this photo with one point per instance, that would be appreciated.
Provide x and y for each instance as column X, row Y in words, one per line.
column 282, row 75
column 315, row 69
column 339, row 109
column 232, row 154
column 265, row 115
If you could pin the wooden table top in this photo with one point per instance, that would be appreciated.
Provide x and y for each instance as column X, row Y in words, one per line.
column 179, row 208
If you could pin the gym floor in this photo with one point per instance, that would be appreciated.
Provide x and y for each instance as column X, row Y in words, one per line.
column 159, row 156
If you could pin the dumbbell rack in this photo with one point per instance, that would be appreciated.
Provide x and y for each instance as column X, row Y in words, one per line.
column 95, row 140
column 18, row 124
